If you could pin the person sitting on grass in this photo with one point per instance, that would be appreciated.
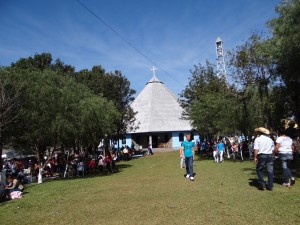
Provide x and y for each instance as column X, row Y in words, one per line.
column 13, row 184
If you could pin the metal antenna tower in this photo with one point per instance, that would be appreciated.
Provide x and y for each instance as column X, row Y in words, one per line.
column 221, row 68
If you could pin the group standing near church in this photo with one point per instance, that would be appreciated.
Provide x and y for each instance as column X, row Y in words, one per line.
column 263, row 150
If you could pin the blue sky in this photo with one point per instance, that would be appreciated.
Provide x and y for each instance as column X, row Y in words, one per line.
column 175, row 35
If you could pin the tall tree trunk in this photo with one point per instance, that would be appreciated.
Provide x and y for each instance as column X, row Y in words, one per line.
column 296, row 99
column 245, row 128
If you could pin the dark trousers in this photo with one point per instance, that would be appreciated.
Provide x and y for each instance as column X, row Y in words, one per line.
column 265, row 160
column 189, row 165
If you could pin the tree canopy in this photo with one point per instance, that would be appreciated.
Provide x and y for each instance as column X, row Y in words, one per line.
column 49, row 104
column 286, row 42
column 265, row 72
column 210, row 102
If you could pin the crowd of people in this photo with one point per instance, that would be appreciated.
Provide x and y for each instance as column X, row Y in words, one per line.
column 230, row 147
column 21, row 171
column 265, row 148
column 215, row 149
column 262, row 148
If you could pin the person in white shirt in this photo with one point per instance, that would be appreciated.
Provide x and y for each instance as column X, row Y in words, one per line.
column 285, row 148
column 250, row 147
column 263, row 156
column 125, row 154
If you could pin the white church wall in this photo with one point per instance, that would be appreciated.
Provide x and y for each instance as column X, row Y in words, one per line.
column 178, row 138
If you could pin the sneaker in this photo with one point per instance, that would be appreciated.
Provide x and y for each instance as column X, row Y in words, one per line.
column 262, row 188
column 293, row 181
column 269, row 188
column 187, row 176
column 192, row 178
column 286, row 184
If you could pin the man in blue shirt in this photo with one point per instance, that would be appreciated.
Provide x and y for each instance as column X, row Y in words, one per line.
column 221, row 148
column 188, row 153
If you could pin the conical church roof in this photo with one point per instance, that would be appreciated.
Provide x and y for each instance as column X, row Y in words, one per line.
column 158, row 109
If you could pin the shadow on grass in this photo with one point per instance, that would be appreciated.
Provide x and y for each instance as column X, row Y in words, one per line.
column 119, row 169
column 209, row 156
column 253, row 182
column 278, row 174
column 204, row 156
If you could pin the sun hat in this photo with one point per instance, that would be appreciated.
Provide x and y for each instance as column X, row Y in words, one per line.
column 262, row 130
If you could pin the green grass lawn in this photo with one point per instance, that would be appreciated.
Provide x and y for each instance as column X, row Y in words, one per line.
column 153, row 190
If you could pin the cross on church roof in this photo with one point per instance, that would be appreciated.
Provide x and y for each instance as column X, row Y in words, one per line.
column 153, row 70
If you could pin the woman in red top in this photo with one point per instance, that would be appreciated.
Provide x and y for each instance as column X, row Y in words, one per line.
column 108, row 161
column 92, row 165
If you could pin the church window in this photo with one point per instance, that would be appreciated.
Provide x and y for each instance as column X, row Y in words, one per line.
column 192, row 136
column 181, row 137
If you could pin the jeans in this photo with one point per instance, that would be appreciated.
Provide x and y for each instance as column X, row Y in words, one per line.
column 12, row 190
column 216, row 156
column 265, row 160
column 286, row 161
column 221, row 156
column 189, row 165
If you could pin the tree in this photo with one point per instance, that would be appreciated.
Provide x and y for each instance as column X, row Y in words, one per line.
column 61, row 107
column 37, row 62
column 115, row 87
column 40, row 100
column 9, row 107
column 253, row 67
column 63, row 69
column 281, row 105
column 84, row 117
column 209, row 102
column 286, row 40
column 58, row 111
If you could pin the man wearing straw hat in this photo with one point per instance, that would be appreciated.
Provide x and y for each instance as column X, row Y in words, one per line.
column 263, row 156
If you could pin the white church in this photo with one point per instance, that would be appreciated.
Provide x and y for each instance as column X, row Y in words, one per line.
column 158, row 118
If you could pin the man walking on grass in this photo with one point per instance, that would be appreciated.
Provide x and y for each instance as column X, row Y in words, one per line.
column 221, row 148
column 188, row 153
column 263, row 156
